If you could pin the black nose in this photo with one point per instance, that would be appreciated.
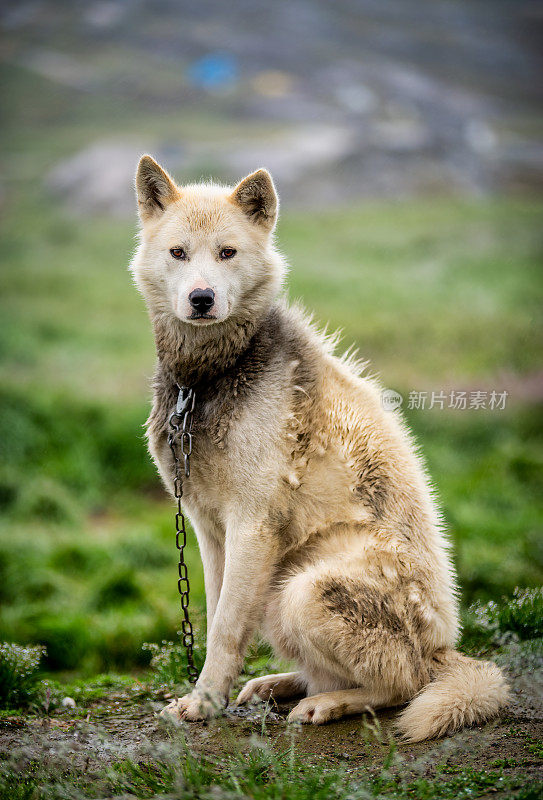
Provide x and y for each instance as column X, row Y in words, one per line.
column 202, row 299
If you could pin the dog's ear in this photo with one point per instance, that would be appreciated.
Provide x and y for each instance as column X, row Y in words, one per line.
column 154, row 189
column 257, row 197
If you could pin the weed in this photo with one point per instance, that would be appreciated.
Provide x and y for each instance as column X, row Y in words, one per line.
column 169, row 662
column 19, row 679
column 499, row 622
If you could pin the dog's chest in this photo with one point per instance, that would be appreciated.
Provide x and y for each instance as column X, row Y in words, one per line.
column 237, row 443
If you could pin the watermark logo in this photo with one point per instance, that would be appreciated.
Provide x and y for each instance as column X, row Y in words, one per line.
column 459, row 400
column 391, row 400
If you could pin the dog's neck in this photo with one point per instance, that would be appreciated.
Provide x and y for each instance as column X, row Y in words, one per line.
column 192, row 356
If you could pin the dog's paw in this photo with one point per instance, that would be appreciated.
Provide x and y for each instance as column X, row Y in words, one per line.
column 316, row 710
column 197, row 705
column 261, row 688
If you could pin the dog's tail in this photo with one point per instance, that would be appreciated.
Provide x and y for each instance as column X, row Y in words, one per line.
column 464, row 692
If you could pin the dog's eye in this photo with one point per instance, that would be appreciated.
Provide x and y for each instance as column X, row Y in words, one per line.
column 228, row 252
column 178, row 252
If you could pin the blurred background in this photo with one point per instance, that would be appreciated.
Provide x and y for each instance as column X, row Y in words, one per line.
column 405, row 138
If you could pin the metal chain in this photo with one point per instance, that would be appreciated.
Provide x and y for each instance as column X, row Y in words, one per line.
column 181, row 425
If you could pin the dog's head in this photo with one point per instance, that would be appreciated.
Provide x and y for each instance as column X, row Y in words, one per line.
column 206, row 252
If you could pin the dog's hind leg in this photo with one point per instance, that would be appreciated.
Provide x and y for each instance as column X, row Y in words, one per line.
column 281, row 686
column 359, row 644
column 320, row 708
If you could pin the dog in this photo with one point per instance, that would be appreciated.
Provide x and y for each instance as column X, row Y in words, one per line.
column 314, row 515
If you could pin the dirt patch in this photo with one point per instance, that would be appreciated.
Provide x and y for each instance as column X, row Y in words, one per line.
column 126, row 725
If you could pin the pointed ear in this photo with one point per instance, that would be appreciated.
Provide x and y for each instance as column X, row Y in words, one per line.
column 257, row 197
column 154, row 189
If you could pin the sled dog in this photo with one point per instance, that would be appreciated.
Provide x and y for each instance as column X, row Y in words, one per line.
column 314, row 515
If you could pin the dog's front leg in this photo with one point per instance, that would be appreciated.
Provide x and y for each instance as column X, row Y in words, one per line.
column 211, row 539
column 250, row 556
column 212, row 555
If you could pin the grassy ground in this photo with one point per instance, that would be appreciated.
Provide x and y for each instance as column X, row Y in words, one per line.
column 439, row 295
column 112, row 743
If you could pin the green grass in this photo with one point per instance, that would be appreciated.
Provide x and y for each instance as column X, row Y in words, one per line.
column 93, row 591
column 433, row 292
column 488, row 473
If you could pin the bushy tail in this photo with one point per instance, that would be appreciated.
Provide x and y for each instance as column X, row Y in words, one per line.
column 465, row 692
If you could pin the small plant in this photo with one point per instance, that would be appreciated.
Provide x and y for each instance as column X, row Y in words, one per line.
column 523, row 615
column 511, row 619
column 19, row 679
column 169, row 661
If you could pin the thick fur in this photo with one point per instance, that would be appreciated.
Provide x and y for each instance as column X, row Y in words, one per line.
column 314, row 516
column 465, row 692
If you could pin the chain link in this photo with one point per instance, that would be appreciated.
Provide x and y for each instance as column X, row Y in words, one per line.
column 181, row 427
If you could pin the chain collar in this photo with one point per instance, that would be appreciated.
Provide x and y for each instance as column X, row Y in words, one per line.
column 181, row 426
column 181, row 422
